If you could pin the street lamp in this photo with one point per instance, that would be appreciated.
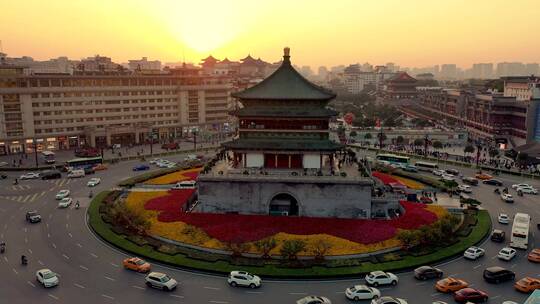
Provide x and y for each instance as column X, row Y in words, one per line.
column 195, row 140
column 426, row 139
column 34, row 141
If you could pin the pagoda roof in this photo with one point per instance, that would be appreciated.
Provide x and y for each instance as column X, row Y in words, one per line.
column 248, row 58
column 402, row 77
column 226, row 60
column 285, row 84
column 282, row 144
column 285, row 112
column 210, row 59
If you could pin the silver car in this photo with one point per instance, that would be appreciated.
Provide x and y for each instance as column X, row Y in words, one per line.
column 314, row 300
column 160, row 281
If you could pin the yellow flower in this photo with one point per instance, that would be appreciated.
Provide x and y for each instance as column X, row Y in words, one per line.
column 410, row 183
column 171, row 178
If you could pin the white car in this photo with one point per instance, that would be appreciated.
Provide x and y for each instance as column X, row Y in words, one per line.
column 448, row 177
column 465, row 188
column 242, row 278
column 47, row 278
column 155, row 161
column 473, row 253
column 65, row 202
column 377, row 278
column 527, row 190
column 503, row 218
column 389, row 300
column 507, row 197
column 160, row 281
column 515, row 186
column 438, row 172
column 362, row 292
column 62, row 194
column 29, row 175
column 190, row 157
column 94, row 181
column 314, row 300
column 507, row 254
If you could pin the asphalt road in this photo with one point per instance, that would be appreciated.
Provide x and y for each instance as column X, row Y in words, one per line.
column 90, row 271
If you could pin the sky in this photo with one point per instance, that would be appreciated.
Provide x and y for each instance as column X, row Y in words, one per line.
column 412, row 33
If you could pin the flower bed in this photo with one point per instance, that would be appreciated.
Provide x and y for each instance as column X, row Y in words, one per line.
column 175, row 177
column 171, row 204
column 386, row 178
column 409, row 183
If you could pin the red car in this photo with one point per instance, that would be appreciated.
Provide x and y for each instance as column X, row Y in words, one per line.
column 470, row 295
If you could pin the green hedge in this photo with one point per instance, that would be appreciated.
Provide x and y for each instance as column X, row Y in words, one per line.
column 334, row 268
column 130, row 182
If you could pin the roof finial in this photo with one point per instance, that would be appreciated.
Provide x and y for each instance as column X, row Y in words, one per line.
column 286, row 56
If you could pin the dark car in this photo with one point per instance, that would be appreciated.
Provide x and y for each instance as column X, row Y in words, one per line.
column 498, row 274
column 33, row 217
column 427, row 272
column 169, row 146
column 470, row 295
column 494, row 182
column 141, row 167
column 51, row 174
column 452, row 171
column 498, row 236
column 470, row 180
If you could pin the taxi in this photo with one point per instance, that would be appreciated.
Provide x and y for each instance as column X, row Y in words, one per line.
column 527, row 284
column 137, row 264
column 450, row 285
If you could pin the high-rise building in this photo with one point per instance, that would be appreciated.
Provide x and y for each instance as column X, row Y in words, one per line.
column 482, row 70
column 449, row 71
column 510, row 69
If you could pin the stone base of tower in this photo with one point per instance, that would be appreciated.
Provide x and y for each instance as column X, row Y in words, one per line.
column 293, row 196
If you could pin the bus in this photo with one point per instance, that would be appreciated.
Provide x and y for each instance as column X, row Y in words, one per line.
column 520, row 231
column 393, row 159
column 84, row 162
column 48, row 157
column 534, row 298
column 425, row 166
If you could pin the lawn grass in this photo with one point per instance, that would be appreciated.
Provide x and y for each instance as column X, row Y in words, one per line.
column 103, row 229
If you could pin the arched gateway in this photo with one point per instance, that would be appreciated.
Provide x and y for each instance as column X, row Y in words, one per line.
column 283, row 204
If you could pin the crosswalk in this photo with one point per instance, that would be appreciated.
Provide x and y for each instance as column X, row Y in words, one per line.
column 19, row 187
column 24, row 198
column 60, row 182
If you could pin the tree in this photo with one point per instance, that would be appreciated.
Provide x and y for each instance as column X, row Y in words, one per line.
column 137, row 222
column 400, row 140
column 409, row 239
column 418, row 142
column 468, row 149
column 291, row 248
column 493, row 152
column 471, row 203
column 265, row 246
column 522, row 157
column 352, row 134
column 320, row 248
column 437, row 144
column 237, row 247
column 368, row 136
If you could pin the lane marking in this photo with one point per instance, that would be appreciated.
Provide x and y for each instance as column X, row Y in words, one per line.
column 26, row 240
column 27, row 197
column 54, row 245
column 95, row 256
column 477, row 266
column 109, row 278
column 40, row 262
column 435, row 294
column 53, row 296
column 65, row 256
column 14, row 270
column 43, row 193
column 6, row 259
column 115, row 265
column 79, row 285
column 258, row 292
column 107, row 296
column 298, row 293
column 219, row 302
column 495, row 297
column 420, row 284
column 70, row 235
column 34, row 197
column 30, row 250
column 48, row 235
column 212, row 288
column 83, row 267
column 177, row 296
column 47, row 224
column 79, row 245
column 138, row 287
column 30, row 283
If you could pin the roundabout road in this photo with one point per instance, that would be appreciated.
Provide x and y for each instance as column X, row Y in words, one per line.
column 90, row 271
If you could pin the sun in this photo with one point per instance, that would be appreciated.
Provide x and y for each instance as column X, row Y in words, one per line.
column 205, row 38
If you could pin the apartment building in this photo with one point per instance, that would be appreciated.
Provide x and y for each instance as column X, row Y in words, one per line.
column 64, row 111
column 491, row 117
column 521, row 87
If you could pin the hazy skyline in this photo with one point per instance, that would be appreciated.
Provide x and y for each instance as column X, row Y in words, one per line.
column 410, row 33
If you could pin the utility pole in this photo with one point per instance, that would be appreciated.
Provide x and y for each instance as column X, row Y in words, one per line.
column 151, row 142
column 425, row 144
column 195, row 140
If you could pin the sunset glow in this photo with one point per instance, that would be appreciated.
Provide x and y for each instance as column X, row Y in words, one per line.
column 410, row 33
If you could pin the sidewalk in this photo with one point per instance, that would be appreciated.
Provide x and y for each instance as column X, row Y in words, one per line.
column 28, row 160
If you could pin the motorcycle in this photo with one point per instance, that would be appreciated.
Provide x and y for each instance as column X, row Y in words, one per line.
column 16, row 182
column 90, row 194
column 2, row 247
column 24, row 260
column 77, row 205
column 497, row 191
